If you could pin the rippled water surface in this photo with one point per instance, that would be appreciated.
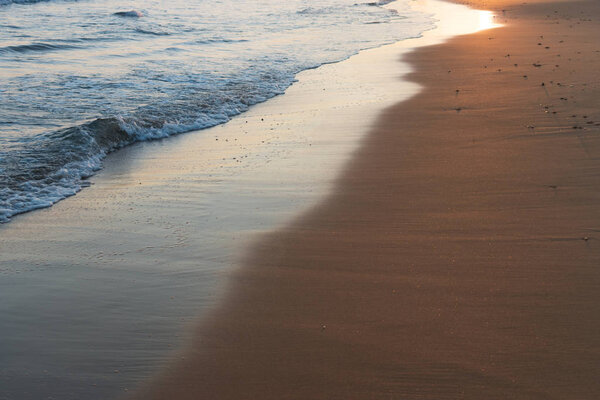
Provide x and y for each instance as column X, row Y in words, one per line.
column 79, row 79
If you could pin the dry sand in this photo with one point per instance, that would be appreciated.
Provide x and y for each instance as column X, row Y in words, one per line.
column 459, row 256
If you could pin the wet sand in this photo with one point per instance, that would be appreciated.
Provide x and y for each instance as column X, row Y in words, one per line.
column 458, row 254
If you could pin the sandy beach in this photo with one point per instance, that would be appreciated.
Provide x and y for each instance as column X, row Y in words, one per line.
column 457, row 257
column 102, row 290
column 419, row 221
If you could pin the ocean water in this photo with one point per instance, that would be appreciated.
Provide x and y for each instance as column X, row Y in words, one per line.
column 79, row 79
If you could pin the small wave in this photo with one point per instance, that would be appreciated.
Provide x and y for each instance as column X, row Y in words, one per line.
column 313, row 11
column 219, row 40
column 379, row 3
column 109, row 37
column 152, row 32
column 49, row 167
column 328, row 10
column 8, row 2
column 52, row 166
column 129, row 14
column 34, row 47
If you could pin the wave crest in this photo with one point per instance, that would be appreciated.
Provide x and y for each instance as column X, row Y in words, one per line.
column 8, row 2
column 36, row 47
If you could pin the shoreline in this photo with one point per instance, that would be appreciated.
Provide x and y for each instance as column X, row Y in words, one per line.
column 117, row 277
column 457, row 255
